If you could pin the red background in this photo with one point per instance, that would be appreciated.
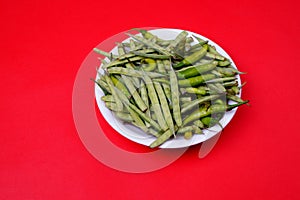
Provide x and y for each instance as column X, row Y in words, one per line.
column 43, row 44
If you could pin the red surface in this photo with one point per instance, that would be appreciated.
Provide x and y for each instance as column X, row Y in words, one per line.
column 43, row 44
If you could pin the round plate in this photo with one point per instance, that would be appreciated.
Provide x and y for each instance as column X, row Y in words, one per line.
column 137, row 135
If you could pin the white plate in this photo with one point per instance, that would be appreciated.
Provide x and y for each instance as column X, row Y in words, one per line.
column 135, row 134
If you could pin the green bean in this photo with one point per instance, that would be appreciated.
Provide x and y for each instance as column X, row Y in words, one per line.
column 234, row 98
column 201, row 41
column 166, row 84
column 119, row 105
column 228, row 71
column 132, row 72
column 145, row 117
column 155, row 103
column 144, row 94
column 151, row 64
column 230, row 83
column 213, row 50
column 109, row 98
column 146, row 34
column 184, row 104
column 180, row 37
column 161, row 139
column 175, row 98
column 199, row 101
column 185, row 99
column 164, row 106
column 133, row 91
column 221, row 80
column 187, row 44
column 151, row 44
column 102, row 77
column 112, row 106
column 194, row 48
column 131, row 54
column 154, row 132
column 160, row 67
column 220, row 87
column 121, row 62
column 235, row 89
column 192, row 90
column 213, row 89
column 154, row 56
column 188, row 135
column 180, row 49
column 167, row 64
column 189, row 39
column 187, row 47
column 121, row 86
column 209, row 121
column 199, row 124
column 197, row 114
column 196, row 70
column 197, row 130
column 132, row 44
column 145, row 98
column 135, row 80
column 161, row 80
column 138, row 111
column 196, row 80
column 218, row 74
column 103, row 86
column 103, row 65
column 124, row 116
column 224, row 63
column 121, row 50
column 136, row 118
column 215, row 56
column 194, row 57
column 139, row 46
column 104, row 53
column 184, row 129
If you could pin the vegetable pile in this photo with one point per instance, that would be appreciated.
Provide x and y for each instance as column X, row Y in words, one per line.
column 168, row 88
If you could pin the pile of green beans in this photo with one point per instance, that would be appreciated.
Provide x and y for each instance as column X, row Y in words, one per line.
column 168, row 88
